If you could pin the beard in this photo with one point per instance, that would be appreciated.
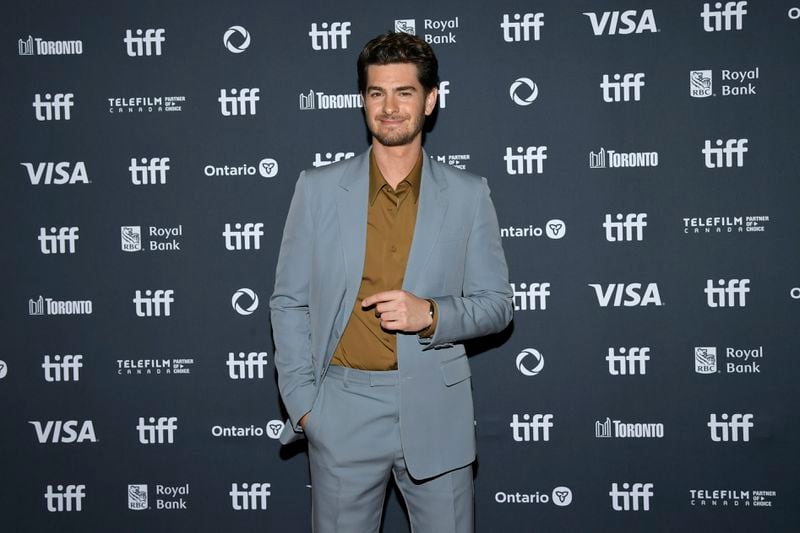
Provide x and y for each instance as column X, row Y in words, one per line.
column 396, row 137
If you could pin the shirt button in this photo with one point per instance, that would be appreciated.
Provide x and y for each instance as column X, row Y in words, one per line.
column 393, row 248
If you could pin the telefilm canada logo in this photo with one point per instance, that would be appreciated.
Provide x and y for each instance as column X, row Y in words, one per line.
column 118, row 105
column 552, row 229
column 454, row 160
column 164, row 366
column 725, row 225
column 731, row 498
column 323, row 159
column 560, row 496
column 37, row 46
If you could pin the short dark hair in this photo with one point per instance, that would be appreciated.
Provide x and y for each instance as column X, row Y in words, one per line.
column 399, row 47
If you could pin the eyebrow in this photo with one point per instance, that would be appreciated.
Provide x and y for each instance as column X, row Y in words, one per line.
column 396, row 89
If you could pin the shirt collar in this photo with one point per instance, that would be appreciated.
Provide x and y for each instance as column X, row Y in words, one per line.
column 378, row 182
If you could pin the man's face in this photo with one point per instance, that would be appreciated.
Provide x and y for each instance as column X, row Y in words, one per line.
column 395, row 104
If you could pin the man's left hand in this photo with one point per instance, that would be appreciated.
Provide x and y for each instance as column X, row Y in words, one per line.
column 400, row 311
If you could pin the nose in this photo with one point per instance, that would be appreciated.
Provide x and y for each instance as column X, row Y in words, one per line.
column 390, row 104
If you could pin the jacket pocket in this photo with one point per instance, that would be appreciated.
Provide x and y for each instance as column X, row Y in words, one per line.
column 456, row 371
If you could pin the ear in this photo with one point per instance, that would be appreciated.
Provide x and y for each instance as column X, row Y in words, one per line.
column 430, row 100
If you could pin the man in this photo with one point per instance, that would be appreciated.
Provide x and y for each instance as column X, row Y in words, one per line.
column 388, row 261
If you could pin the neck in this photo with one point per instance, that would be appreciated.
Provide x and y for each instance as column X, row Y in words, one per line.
column 396, row 162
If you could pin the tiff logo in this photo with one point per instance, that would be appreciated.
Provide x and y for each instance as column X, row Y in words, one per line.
column 330, row 157
column 64, row 498
column 252, row 497
column 146, row 43
column 243, row 236
column 520, row 30
column 530, row 297
column 54, row 106
column 246, row 365
column 240, row 102
column 728, row 294
column 333, row 38
column 628, row 362
column 62, row 369
column 522, row 162
column 58, row 240
column 157, row 432
column 730, row 430
column 531, row 428
column 152, row 171
column 629, row 229
column 153, row 303
column 714, row 156
column 631, row 498
column 625, row 90
column 721, row 18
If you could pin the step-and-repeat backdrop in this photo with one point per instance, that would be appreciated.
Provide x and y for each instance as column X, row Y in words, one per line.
column 643, row 161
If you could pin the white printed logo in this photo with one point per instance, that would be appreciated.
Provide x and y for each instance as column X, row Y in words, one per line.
column 251, row 497
column 520, row 29
column 131, row 238
column 628, row 362
column 153, row 303
column 240, row 102
column 530, row 297
column 244, row 38
column 330, row 157
column 730, row 428
column 730, row 293
column 533, row 91
column 3, row 369
column 64, row 498
column 145, row 43
column 44, row 172
column 723, row 156
column 150, row 172
column 622, row 23
column 634, row 497
column 531, row 428
column 64, row 431
column 705, row 359
column 245, row 236
column 58, row 240
column 406, row 26
column 66, row 368
column 246, row 365
column 137, row 497
column 701, row 83
column 723, row 19
column 537, row 361
column 333, row 38
column 522, row 163
column 247, row 294
column 629, row 227
column 626, row 294
column 157, row 431
column 53, row 107
column 624, row 88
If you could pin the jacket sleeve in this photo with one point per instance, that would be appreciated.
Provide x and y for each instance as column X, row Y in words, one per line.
column 289, row 308
column 485, row 305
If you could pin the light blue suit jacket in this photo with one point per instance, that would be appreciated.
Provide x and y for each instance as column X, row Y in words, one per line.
column 456, row 258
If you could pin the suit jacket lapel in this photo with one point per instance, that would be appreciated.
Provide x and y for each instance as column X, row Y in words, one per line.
column 431, row 213
column 351, row 203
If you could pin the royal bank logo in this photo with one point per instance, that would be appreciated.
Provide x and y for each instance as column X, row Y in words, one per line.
column 56, row 173
column 522, row 28
column 618, row 429
column 526, row 96
column 250, row 497
column 236, row 39
column 560, row 496
column 145, row 42
column 49, row 307
column 725, row 18
column 118, row 105
column 613, row 159
column 137, row 497
column 701, row 83
column 625, row 87
column 58, row 240
column 327, row 158
column 530, row 362
column 732, row 82
column 730, row 428
column 726, row 153
column 36, row 46
column 244, row 301
column 64, row 498
column 525, row 160
column 552, row 229
column 131, row 238
column 313, row 100
column 55, row 106
column 329, row 36
column 622, row 22
column 241, row 102
column 705, row 359
column 627, row 294
column 159, row 239
column 530, row 296
column 62, row 368
column 406, row 26
column 631, row 496
column 266, row 168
